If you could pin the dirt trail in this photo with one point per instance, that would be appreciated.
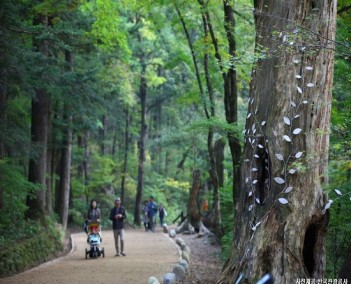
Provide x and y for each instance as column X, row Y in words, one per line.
column 148, row 254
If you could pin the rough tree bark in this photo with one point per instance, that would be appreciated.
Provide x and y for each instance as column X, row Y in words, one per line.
column 141, row 144
column 126, row 150
column 280, row 226
column 65, row 162
column 39, row 134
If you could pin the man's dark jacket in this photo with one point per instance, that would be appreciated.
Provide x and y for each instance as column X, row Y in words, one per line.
column 117, row 224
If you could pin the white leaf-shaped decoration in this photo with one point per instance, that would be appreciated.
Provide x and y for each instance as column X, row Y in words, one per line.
column 250, row 207
column 246, row 160
column 298, row 155
column 258, row 201
column 338, row 192
column 305, row 102
column 293, row 104
column 247, row 180
column 260, row 146
column 250, row 140
column 297, row 131
column 310, row 85
column 279, row 180
column 309, row 68
column 252, row 100
column 298, row 76
column 256, row 156
column 288, row 189
column 327, row 206
column 283, row 201
column 248, row 116
column 253, row 141
column 253, row 126
column 263, row 123
column 250, row 193
column 286, row 120
column 254, row 169
column 292, row 171
column 254, row 131
column 299, row 89
column 296, row 116
column 279, row 157
column 254, row 181
column 255, row 227
column 286, row 138
column 296, row 61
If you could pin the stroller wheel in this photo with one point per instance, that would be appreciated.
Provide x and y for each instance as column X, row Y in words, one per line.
column 86, row 253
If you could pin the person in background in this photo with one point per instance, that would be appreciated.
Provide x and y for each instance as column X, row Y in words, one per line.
column 94, row 213
column 152, row 211
column 146, row 218
column 117, row 216
column 162, row 213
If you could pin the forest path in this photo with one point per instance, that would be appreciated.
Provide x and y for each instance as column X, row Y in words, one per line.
column 148, row 254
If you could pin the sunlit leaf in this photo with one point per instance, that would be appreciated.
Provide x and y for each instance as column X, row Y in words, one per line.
column 283, row 201
column 338, row 192
column 279, row 180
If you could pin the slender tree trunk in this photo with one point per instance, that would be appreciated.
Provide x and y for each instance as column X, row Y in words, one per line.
column 49, row 169
column 65, row 163
column 39, row 135
column 194, row 215
column 126, row 150
column 143, row 132
column 280, row 221
column 103, row 135
column 2, row 128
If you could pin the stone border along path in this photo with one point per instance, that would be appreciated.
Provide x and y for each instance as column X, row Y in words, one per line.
column 148, row 254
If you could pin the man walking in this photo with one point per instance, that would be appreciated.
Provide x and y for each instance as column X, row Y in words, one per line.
column 152, row 210
column 117, row 217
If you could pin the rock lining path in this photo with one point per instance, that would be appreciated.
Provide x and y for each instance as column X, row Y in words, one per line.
column 148, row 254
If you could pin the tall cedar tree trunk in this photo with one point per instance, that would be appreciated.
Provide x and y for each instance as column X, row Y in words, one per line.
column 286, row 130
column 49, row 167
column 126, row 150
column 2, row 128
column 216, row 216
column 229, row 82
column 194, row 215
column 39, row 134
column 83, row 167
column 143, row 128
column 65, row 162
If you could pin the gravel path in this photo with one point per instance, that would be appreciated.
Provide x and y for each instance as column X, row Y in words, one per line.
column 148, row 254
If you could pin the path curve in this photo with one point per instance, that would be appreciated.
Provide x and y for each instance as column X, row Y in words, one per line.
column 148, row 254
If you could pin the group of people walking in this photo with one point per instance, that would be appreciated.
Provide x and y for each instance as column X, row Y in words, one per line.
column 150, row 211
column 118, row 215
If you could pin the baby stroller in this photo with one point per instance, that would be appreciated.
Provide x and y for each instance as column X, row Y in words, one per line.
column 94, row 239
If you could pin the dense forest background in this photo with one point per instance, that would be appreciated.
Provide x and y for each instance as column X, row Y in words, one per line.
column 104, row 98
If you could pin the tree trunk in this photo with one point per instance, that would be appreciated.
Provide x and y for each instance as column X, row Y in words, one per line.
column 280, row 225
column 39, row 135
column 126, row 150
column 102, row 133
column 2, row 128
column 194, row 215
column 65, row 163
column 143, row 132
column 49, row 169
